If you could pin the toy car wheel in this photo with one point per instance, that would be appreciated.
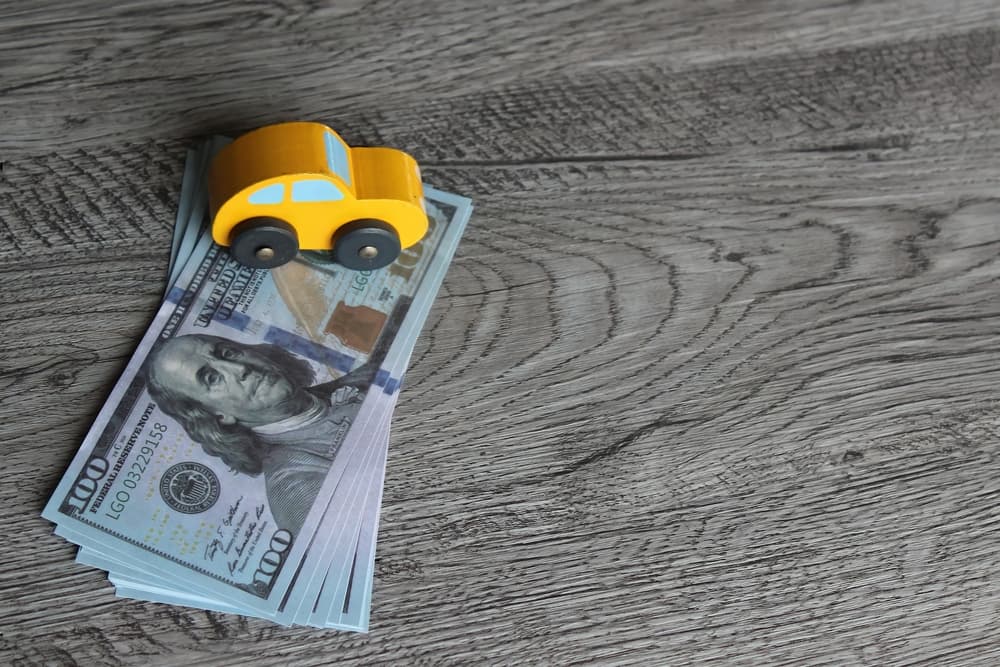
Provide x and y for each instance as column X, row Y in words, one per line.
column 263, row 243
column 366, row 245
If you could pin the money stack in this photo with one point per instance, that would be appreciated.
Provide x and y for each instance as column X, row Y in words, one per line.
column 238, row 464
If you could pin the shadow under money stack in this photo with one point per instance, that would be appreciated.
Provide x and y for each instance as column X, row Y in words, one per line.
column 238, row 464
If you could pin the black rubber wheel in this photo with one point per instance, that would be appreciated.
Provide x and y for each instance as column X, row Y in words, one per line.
column 366, row 245
column 263, row 243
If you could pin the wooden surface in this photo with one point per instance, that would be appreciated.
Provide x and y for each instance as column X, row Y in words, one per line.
column 712, row 380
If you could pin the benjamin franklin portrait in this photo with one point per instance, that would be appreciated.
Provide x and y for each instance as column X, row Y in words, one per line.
column 257, row 409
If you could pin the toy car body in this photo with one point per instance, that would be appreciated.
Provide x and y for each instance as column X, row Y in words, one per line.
column 294, row 186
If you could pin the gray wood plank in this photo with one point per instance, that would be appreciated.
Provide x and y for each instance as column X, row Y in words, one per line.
column 713, row 378
column 154, row 68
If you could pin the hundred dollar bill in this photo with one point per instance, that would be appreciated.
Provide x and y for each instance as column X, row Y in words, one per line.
column 134, row 586
column 363, row 483
column 440, row 206
column 129, row 575
column 356, row 588
column 192, row 171
column 324, row 600
column 216, row 456
column 192, row 208
column 349, row 610
column 321, row 599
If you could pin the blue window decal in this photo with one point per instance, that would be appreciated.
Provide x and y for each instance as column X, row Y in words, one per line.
column 336, row 158
column 269, row 194
column 315, row 190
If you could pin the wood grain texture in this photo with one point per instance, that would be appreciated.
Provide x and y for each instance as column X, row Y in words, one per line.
column 712, row 380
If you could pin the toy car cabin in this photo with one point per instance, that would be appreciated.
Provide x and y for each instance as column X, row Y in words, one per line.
column 292, row 186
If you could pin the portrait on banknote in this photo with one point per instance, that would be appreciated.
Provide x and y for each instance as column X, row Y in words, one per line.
column 256, row 407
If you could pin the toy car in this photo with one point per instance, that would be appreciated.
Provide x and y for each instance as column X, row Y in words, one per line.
column 292, row 186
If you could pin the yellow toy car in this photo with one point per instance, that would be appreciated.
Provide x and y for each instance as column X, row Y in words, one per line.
column 292, row 186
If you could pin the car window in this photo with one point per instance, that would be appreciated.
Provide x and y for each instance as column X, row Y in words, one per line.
column 269, row 194
column 336, row 157
column 315, row 190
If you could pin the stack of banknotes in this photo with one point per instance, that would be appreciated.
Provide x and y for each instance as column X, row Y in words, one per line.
column 238, row 464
